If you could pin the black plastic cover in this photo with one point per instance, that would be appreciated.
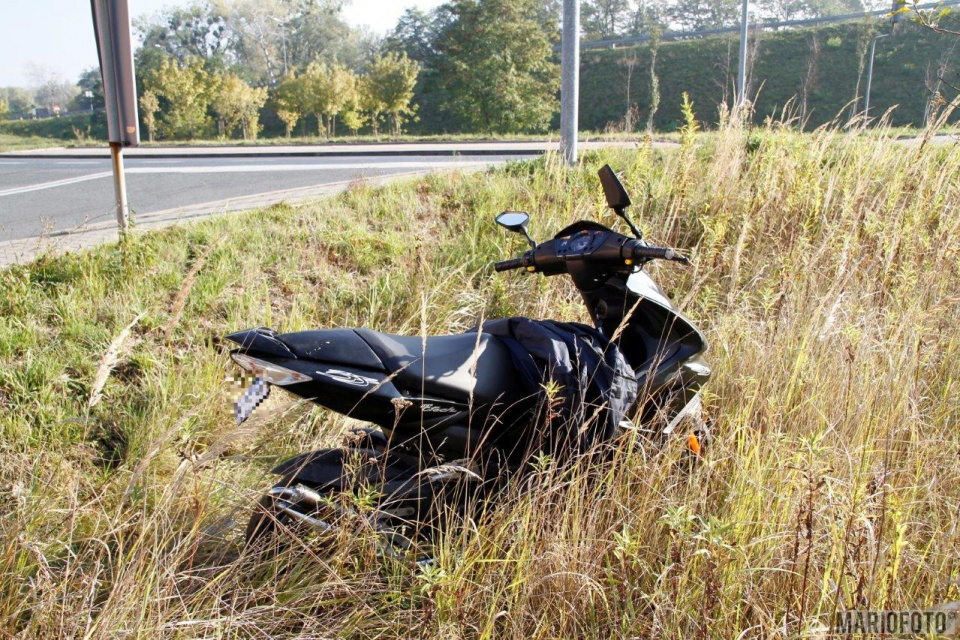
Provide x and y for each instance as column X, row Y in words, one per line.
column 336, row 346
column 261, row 340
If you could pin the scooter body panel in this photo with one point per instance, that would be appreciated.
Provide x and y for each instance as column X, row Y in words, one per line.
column 446, row 425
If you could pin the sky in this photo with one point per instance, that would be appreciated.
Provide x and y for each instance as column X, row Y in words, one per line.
column 58, row 34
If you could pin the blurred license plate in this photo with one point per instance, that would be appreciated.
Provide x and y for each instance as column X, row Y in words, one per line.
column 251, row 399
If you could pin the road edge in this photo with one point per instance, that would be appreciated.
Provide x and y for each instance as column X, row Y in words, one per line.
column 24, row 250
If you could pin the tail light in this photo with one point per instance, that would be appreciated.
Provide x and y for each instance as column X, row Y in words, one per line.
column 272, row 373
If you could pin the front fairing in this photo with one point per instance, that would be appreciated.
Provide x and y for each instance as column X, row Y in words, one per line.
column 643, row 286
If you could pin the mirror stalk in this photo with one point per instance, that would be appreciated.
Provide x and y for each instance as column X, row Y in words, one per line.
column 617, row 197
column 530, row 241
column 623, row 214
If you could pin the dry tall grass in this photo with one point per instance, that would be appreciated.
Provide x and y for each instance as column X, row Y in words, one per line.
column 826, row 277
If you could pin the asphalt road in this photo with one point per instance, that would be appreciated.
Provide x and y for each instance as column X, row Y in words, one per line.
column 52, row 196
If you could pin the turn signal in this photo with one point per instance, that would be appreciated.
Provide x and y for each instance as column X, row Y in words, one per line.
column 694, row 443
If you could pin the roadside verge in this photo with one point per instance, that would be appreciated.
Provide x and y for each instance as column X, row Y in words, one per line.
column 27, row 249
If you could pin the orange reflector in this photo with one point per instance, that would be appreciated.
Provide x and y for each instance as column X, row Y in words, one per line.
column 694, row 443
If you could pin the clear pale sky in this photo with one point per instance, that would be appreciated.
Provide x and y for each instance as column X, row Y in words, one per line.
column 58, row 34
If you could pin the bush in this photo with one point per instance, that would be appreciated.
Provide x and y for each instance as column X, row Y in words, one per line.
column 92, row 125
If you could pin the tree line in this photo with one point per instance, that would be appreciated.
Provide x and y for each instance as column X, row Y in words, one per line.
column 214, row 65
column 605, row 19
column 183, row 99
column 232, row 67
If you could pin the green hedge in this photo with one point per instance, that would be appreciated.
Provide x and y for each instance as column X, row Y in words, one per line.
column 92, row 125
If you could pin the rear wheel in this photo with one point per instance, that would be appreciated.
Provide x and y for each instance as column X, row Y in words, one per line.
column 408, row 514
column 264, row 522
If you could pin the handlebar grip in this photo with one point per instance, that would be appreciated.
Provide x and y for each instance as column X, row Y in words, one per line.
column 654, row 253
column 507, row 265
column 644, row 252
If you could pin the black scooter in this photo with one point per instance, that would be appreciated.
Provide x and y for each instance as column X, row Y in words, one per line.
column 451, row 414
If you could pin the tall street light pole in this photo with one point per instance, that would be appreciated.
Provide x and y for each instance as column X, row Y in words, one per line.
column 570, row 86
column 895, row 15
column 742, row 66
column 866, row 98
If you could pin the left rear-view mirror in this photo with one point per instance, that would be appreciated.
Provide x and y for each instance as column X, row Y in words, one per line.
column 515, row 221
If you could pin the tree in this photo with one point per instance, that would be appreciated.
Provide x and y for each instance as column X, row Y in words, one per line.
column 603, row 19
column 342, row 93
column 646, row 17
column 259, row 32
column 389, row 87
column 196, row 31
column 4, row 110
column 352, row 116
column 254, row 99
column 318, row 31
column 149, row 107
column 290, row 102
column 497, row 66
column 18, row 99
column 370, row 103
column 90, row 80
column 272, row 38
column 237, row 104
column 329, row 88
column 50, row 90
column 418, row 34
column 695, row 15
column 185, row 91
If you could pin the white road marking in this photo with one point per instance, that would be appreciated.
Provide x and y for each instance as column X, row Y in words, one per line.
column 250, row 168
column 55, row 183
column 269, row 168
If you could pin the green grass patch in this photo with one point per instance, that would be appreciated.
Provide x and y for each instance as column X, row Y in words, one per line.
column 826, row 271
column 10, row 142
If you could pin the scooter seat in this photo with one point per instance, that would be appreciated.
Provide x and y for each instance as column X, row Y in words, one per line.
column 449, row 367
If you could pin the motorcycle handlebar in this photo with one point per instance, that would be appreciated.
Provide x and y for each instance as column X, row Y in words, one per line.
column 507, row 265
column 644, row 252
column 632, row 249
column 654, row 253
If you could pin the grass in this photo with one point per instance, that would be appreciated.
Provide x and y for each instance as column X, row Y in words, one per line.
column 11, row 142
column 388, row 139
column 826, row 278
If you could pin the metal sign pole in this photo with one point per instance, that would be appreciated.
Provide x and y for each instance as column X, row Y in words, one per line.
column 120, row 187
column 570, row 87
column 111, row 27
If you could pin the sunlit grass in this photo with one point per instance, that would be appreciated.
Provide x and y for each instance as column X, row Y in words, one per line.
column 825, row 277
column 10, row 142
